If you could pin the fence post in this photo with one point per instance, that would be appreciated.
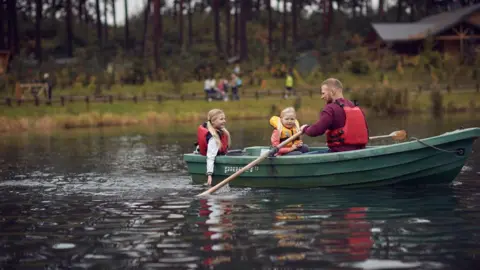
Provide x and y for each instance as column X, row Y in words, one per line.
column 110, row 99
column 8, row 101
column 159, row 98
column 87, row 100
column 257, row 96
column 37, row 101
column 135, row 99
column 19, row 102
column 71, row 99
column 310, row 92
column 477, row 86
column 182, row 97
column 449, row 89
column 62, row 101
column 268, row 92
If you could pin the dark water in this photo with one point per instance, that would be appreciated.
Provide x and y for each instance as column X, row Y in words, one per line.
column 121, row 198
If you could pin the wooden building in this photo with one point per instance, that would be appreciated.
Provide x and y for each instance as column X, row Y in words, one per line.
column 456, row 31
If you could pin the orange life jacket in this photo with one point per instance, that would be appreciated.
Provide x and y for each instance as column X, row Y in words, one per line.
column 202, row 133
column 285, row 133
column 354, row 132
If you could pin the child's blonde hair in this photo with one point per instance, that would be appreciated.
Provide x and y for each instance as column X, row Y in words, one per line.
column 212, row 116
column 288, row 110
column 282, row 114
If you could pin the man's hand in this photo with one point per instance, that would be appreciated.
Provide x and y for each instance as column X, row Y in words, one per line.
column 303, row 127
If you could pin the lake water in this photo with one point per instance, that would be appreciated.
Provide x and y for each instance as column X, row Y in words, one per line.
column 121, row 198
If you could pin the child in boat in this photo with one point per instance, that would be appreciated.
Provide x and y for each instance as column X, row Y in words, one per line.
column 213, row 139
column 284, row 127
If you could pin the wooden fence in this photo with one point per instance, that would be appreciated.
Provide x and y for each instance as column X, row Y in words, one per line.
column 63, row 100
column 110, row 99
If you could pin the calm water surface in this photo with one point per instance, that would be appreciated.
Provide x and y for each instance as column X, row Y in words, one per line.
column 121, row 198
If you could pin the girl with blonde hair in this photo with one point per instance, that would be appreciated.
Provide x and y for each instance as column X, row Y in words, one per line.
column 213, row 139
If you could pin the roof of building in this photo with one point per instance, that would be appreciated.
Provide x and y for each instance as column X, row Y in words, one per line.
column 421, row 29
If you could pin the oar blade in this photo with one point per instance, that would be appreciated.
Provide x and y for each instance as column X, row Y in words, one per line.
column 399, row 135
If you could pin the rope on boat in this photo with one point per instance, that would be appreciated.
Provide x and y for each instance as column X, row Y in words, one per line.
column 459, row 151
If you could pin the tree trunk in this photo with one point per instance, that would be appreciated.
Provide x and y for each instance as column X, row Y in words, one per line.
column 146, row 16
column 228, row 46
column 243, row 30
column 412, row 11
column 268, row 6
column 258, row 6
column 399, row 10
column 80, row 10
column 216, row 25
column 381, row 10
column 68, row 6
column 284, row 33
column 29, row 8
column 236, row 25
column 85, row 12
column 99, row 24
column 157, row 33
column 12, row 27
column 180, row 25
column 428, row 6
column 294, row 23
column 327, row 18
column 105, row 25
column 175, row 2
column 126, row 24
column 54, row 9
column 2, row 32
column 38, row 30
column 190, row 25
column 330, row 18
column 114, row 14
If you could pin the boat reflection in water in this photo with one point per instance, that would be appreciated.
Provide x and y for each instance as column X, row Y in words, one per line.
column 334, row 234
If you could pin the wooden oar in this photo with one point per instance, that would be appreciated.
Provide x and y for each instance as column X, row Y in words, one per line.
column 250, row 165
column 398, row 135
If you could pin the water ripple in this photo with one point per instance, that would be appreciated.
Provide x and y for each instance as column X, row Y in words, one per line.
column 126, row 202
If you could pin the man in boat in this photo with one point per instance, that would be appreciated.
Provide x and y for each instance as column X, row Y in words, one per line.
column 342, row 121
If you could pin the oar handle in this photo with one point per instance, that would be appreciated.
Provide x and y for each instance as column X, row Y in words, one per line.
column 250, row 165
column 379, row 137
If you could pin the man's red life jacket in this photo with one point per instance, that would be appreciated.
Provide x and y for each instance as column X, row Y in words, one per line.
column 354, row 132
column 202, row 133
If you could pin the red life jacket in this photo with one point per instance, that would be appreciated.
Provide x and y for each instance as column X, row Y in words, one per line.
column 354, row 132
column 202, row 133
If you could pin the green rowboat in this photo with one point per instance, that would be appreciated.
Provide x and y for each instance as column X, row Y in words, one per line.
column 432, row 160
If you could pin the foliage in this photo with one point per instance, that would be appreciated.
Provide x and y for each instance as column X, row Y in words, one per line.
column 340, row 52
column 382, row 100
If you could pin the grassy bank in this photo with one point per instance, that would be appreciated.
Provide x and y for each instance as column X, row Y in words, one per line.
column 125, row 113
column 150, row 113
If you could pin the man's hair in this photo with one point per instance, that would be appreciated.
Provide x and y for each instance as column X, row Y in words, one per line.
column 333, row 83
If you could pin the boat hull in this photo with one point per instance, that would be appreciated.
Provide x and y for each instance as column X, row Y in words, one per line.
column 434, row 160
